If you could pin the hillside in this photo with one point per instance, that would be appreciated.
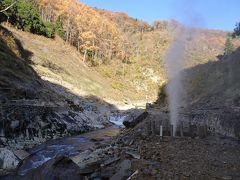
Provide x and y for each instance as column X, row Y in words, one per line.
column 52, row 61
column 127, row 53
column 135, row 76
column 212, row 94
column 145, row 70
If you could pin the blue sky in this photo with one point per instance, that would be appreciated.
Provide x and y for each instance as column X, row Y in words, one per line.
column 212, row 14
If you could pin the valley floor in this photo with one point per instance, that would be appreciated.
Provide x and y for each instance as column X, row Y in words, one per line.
column 133, row 153
column 186, row 158
column 213, row 157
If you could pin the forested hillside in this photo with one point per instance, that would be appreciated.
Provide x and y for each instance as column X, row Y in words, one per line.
column 128, row 52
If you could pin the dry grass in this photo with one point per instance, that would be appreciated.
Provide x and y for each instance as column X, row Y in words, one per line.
column 62, row 64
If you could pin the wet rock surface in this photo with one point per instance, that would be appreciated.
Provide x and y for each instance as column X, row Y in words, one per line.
column 59, row 168
column 135, row 118
column 8, row 160
column 26, row 125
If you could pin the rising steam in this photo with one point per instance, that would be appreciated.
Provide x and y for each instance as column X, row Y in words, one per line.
column 175, row 58
column 175, row 63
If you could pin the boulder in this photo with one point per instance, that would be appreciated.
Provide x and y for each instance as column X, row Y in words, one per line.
column 21, row 154
column 135, row 118
column 124, row 170
column 88, row 161
column 8, row 161
column 60, row 168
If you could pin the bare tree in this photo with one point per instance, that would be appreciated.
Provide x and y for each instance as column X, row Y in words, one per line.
column 8, row 7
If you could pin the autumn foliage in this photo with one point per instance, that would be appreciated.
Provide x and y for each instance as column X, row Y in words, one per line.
column 93, row 35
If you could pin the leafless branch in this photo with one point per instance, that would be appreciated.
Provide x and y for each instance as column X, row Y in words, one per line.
column 8, row 7
column 134, row 174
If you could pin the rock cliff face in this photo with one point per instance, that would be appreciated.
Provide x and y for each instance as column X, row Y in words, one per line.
column 219, row 121
column 25, row 125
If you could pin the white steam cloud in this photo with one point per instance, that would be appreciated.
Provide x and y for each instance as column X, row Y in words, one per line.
column 175, row 58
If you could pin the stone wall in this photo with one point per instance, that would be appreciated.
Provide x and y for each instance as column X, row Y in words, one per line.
column 224, row 121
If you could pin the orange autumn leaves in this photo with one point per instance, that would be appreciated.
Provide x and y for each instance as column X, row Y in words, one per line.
column 91, row 33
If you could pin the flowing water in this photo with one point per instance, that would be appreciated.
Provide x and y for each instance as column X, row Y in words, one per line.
column 69, row 146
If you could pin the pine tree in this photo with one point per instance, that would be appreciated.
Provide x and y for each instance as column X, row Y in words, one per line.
column 229, row 47
column 237, row 30
column 25, row 15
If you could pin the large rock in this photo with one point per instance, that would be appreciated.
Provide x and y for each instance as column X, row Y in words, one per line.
column 124, row 171
column 89, row 161
column 26, row 125
column 21, row 154
column 60, row 168
column 8, row 161
column 135, row 118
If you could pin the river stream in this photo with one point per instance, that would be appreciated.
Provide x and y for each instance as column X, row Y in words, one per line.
column 69, row 146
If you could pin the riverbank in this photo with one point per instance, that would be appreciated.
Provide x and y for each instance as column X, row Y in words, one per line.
column 62, row 147
column 29, row 151
column 108, row 154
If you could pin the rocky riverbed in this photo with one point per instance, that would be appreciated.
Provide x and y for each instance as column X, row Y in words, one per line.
column 134, row 154
column 26, row 124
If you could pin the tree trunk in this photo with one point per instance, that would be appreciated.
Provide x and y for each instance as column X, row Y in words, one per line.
column 78, row 46
column 124, row 70
column 95, row 57
column 67, row 32
column 84, row 56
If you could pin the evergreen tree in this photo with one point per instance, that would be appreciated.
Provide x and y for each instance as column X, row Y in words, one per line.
column 237, row 30
column 229, row 47
column 25, row 15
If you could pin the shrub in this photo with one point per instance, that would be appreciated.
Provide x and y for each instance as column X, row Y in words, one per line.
column 49, row 30
column 162, row 95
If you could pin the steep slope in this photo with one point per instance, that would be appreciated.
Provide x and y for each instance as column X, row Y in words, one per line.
column 215, row 84
column 46, row 92
column 58, row 62
column 212, row 94
column 84, row 28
